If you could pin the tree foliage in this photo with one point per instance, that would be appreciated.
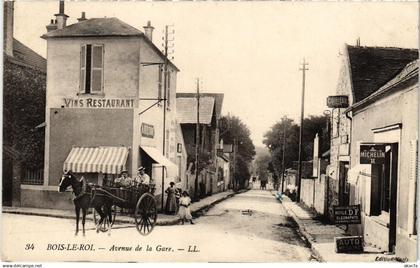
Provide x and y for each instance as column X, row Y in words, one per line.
column 23, row 110
column 233, row 129
column 288, row 130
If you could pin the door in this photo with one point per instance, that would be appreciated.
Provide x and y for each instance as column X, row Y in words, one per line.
column 343, row 190
column 393, row 173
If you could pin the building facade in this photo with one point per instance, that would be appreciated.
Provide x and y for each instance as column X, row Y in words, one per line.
column 363, row 70
column 104, row 110
column 386, row 189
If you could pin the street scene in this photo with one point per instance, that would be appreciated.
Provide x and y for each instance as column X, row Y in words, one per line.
column 233, row 132
column 266, row 229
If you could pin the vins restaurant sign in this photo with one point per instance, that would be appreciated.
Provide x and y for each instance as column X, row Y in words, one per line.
column 372, row 154
column 98, row 103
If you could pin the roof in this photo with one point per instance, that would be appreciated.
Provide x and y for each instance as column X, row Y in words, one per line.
column 187, row 110
column 95, row 27
column 218, row 97
column 409, row 73
column 25, row 56
column 372, row 67
column 102, row 27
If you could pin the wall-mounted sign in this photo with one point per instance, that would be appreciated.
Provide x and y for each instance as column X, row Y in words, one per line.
column 372, row 154
column 339, row 101
column 98, row 103
column 147, row 130
column 179, row 148
column 347, row 214
column 348, row 244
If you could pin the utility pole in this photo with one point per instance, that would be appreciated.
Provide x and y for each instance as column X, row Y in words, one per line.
column 234, row 163
column 299, row 177
column 282, row 159
column 197, row 142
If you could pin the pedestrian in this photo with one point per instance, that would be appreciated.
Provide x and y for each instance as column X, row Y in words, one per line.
column 184, row 208
column 170, row 207
column 142, row 177
column 178, row 194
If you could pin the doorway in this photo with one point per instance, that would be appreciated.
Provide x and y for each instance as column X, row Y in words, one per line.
column 343, row 190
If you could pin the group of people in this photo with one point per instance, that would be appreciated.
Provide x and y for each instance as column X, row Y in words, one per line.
column 178, row 202
column 126, row 181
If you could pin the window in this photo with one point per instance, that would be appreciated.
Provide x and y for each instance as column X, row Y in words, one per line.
column 91, row 69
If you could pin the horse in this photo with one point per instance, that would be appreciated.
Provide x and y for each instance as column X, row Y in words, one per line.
column 85, row 198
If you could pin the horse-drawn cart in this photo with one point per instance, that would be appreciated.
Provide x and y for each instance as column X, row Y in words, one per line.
column 136, row 201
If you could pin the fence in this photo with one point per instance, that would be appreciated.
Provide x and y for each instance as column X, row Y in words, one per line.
column 33, row 177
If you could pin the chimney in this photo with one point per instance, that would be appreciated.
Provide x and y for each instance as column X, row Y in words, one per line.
column 148, row 30
column 82, row 18
column 61, row 17
column 8, row 8
column 52, row 26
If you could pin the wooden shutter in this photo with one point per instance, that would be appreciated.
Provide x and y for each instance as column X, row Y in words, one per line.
column 82, row 69
column 412, row 185
column 97, row 68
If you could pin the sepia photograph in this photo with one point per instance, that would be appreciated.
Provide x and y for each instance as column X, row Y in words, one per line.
column 210, row 132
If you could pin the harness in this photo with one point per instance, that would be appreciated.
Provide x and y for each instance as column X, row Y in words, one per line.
column 83, row 191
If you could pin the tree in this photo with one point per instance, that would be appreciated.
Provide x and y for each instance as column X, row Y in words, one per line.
column 273, row 139
column 23, row 110
column 233, row 129
column 263, row 162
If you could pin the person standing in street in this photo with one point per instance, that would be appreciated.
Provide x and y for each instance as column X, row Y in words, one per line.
column 170, row 207
column 184, row 208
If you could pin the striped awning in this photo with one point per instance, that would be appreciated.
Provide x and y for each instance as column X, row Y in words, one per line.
column 104, row 159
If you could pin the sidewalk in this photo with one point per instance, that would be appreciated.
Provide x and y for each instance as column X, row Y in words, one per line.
column 321, row 236
column 162, row 219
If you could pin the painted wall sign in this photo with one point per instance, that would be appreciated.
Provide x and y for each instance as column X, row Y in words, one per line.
column 147, row 130
column 349, row 244
column 339, row 101
column 372, row 154
column 98, row 103
column 347, row 214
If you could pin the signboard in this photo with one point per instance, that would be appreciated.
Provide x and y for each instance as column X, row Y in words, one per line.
column 339, row 101
column 98, row 103
column 347, row 214
column 349, row 244
column 147, row 130
column 179, row 148
column 372, row 154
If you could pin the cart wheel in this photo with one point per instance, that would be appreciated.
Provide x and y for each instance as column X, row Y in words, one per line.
column 105, row 224
column 145, row 214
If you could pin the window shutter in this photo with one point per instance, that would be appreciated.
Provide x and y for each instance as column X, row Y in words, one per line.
column 412, row 198
column 97, row 68
column 82, row 68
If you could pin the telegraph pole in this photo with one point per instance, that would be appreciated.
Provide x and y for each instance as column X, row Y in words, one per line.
column 282, row 159
column 197, row 142
column 299, row 177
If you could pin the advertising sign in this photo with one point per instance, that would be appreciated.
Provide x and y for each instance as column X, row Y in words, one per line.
column 147, row 130
column 339, row 101
column 372, row 154
column 349, row 244
column 347, row 214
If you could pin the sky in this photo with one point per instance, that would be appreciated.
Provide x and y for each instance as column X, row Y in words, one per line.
column 250, row 51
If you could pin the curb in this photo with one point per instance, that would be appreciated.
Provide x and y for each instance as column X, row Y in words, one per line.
column 161, row 223
column 303, row 231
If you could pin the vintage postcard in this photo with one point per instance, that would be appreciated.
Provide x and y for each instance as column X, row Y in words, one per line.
column 210, row 131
